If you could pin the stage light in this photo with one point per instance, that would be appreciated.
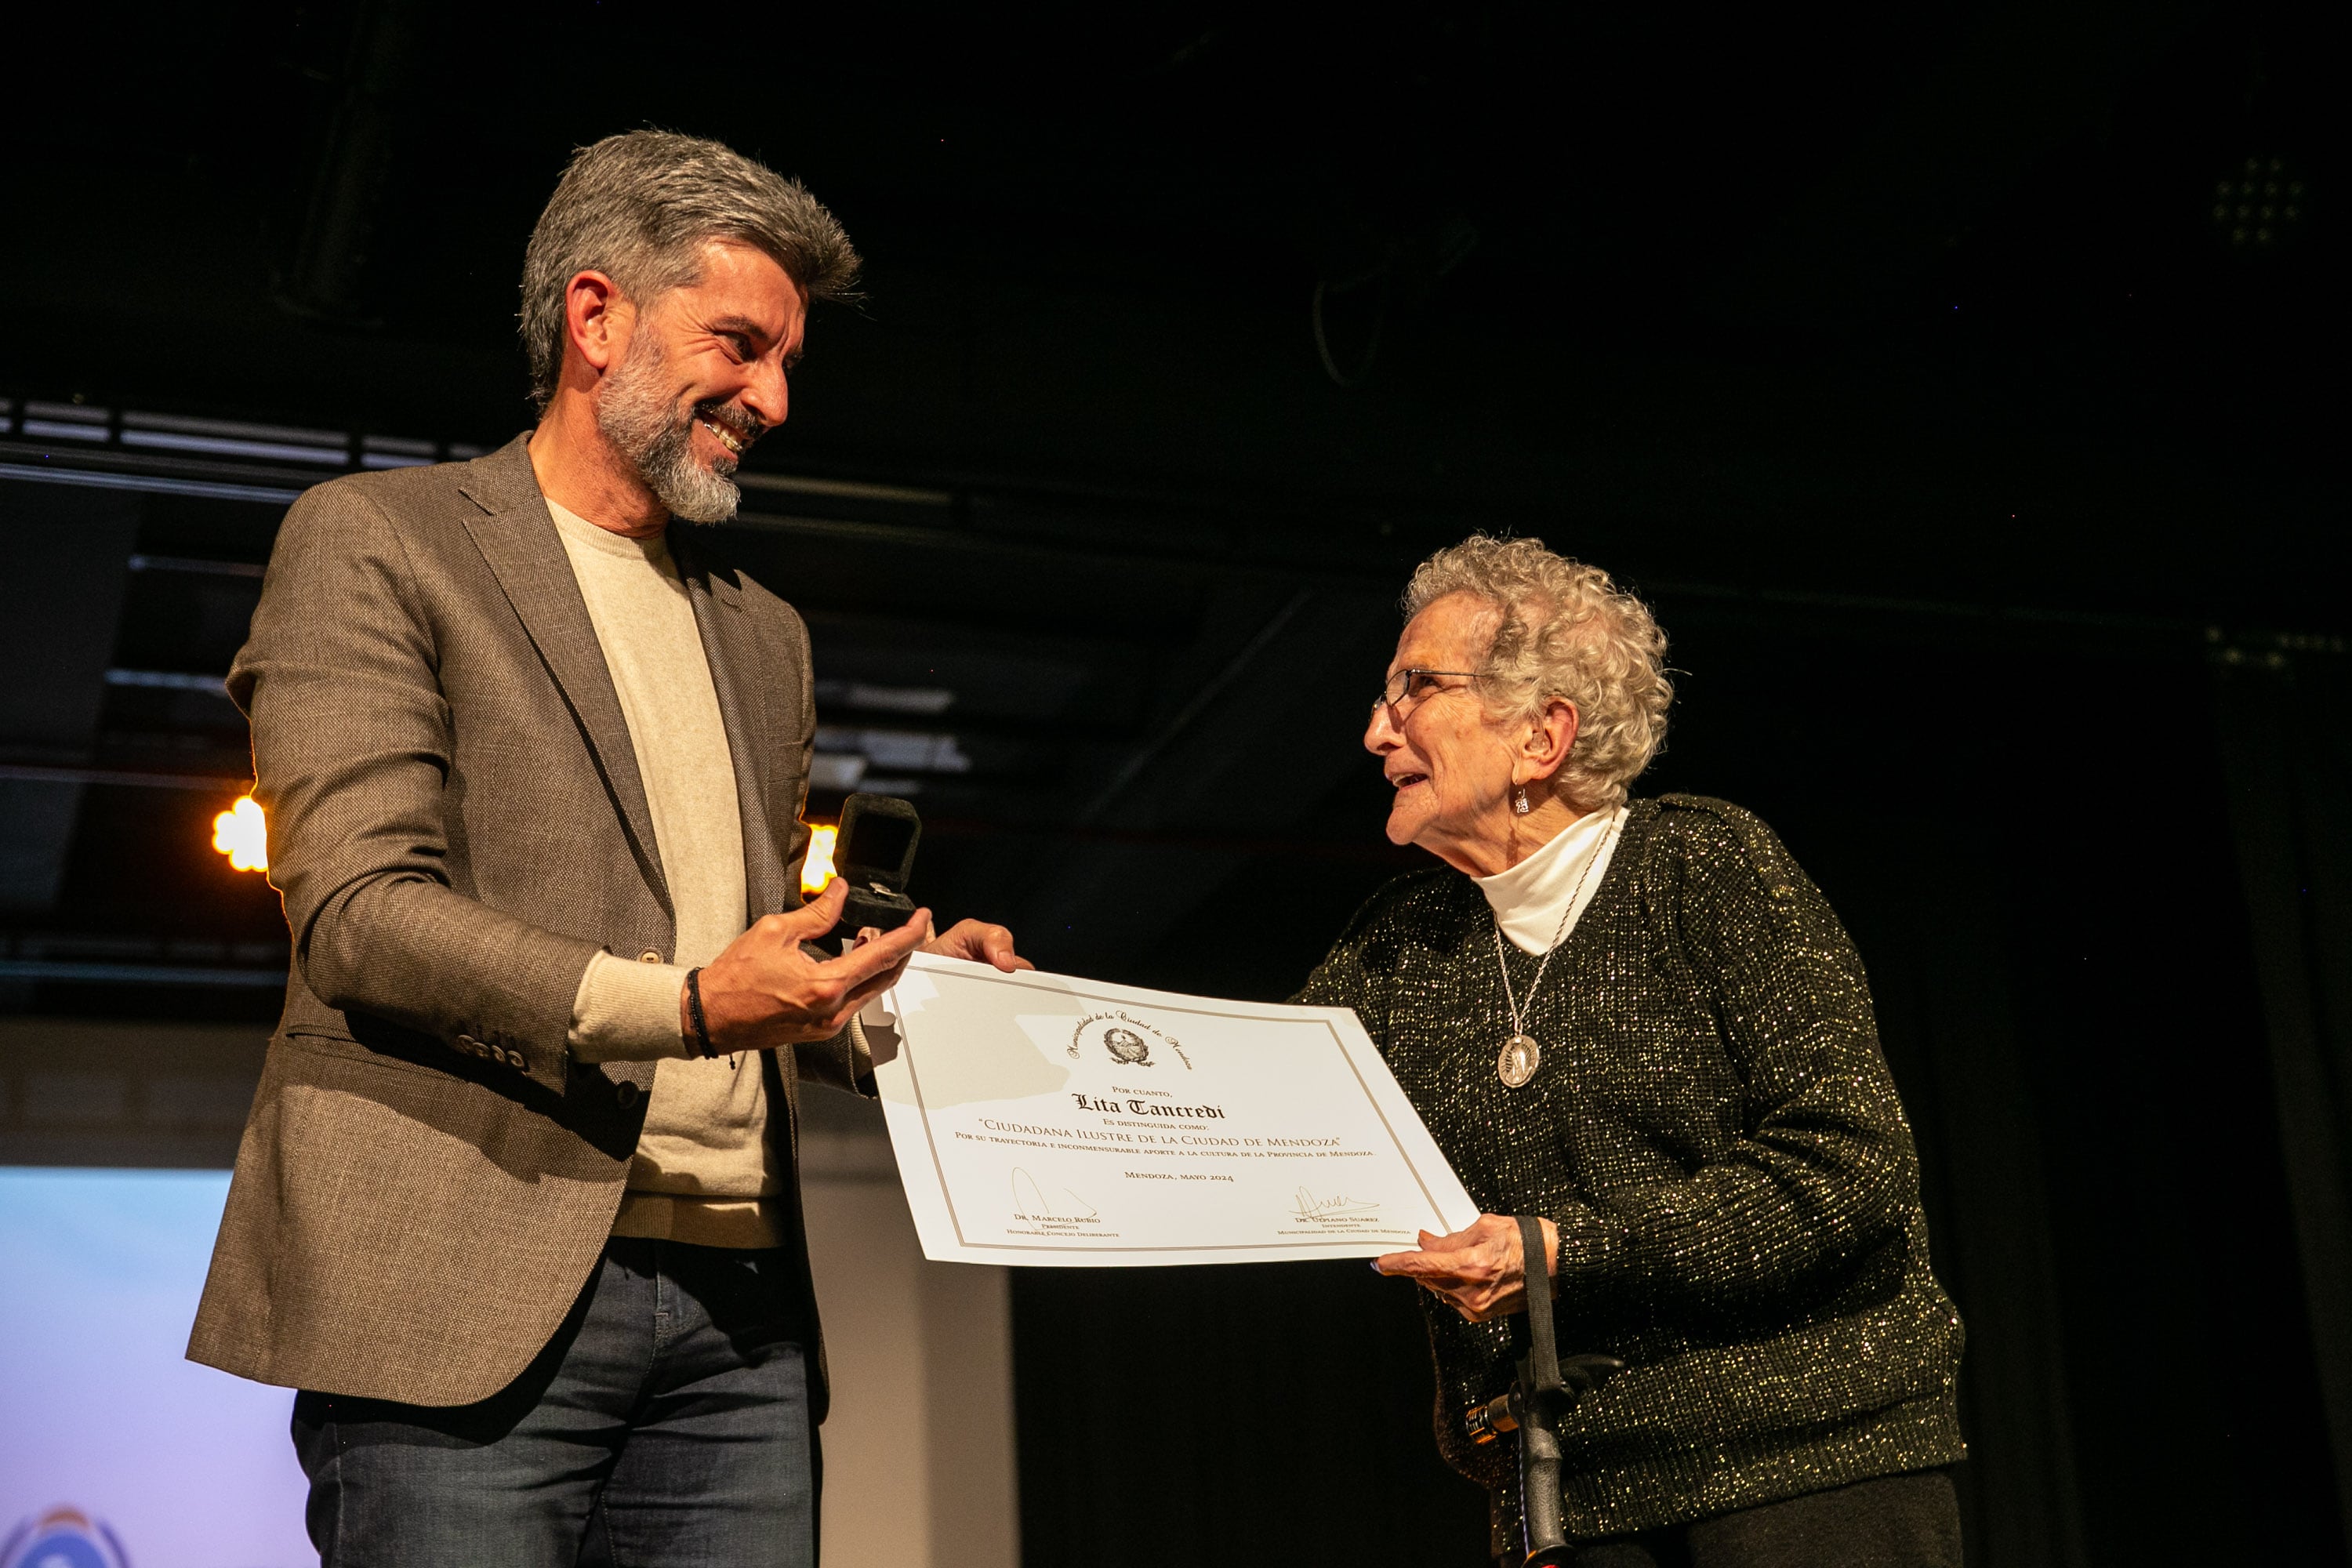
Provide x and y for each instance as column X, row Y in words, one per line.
column 817, row 869
column 242, row 834
column 2259, row 205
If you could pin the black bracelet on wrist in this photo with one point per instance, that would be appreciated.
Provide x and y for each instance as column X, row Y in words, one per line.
column 694, row 1010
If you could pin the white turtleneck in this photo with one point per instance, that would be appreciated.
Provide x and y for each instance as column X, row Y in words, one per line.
column 1560, row 878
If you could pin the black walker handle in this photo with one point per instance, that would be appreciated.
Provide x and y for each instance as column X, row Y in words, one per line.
column 1539, row 1391
column 1532, row 1408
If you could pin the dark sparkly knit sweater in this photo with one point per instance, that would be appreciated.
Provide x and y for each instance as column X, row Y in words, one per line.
column 1715, row 1131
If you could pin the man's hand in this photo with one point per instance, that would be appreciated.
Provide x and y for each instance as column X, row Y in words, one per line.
column 980, row 944
column 1479, row 1270
column 764, row 992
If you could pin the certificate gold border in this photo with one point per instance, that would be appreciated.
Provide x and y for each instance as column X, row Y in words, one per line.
column 1064, row 992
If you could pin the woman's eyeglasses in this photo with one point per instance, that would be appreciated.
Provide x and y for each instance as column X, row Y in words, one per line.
column 1407, row 688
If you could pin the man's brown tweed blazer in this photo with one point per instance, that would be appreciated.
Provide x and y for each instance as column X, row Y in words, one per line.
column 457, row 824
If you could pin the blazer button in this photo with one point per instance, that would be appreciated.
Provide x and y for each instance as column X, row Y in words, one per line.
column 625, row 1093
column 468, row 1042
column 650, row 956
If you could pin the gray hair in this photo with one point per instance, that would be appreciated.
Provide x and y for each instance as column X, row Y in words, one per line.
column 640, row 206
column 1567, row 631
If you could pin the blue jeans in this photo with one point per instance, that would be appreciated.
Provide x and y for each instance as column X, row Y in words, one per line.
column 667, row 1423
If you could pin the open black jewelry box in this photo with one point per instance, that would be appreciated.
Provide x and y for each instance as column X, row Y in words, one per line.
column 874, row 854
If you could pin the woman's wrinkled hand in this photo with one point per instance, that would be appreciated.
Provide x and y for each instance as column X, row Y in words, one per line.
column 1479, row 1270
column 976, row 942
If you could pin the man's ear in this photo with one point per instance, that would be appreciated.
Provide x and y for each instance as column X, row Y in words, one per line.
column 596, row 319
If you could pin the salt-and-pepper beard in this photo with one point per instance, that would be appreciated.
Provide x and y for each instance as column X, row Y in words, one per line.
column 637, row 412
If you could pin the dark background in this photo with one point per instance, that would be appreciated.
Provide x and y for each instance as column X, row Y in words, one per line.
column 1916, row 364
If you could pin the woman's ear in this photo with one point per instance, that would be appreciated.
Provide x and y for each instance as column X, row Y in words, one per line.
column 1550, row 736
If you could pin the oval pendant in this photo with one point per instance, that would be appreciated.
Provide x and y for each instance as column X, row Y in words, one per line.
column 1517, row 1060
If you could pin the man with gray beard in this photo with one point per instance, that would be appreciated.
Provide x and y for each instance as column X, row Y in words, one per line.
column 517, row 1208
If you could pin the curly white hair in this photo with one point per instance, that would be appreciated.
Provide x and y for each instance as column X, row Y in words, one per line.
column 1566, row 631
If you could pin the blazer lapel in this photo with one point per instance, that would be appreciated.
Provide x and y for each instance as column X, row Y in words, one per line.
column 741, row 675
column 517, row 536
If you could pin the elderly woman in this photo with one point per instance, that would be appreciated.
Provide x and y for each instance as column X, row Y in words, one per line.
column 1639, row 1021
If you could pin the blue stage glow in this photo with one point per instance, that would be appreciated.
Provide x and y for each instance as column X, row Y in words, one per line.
column 113, row 1446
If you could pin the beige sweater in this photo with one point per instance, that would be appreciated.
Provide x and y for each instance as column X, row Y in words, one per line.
column 704, row 1170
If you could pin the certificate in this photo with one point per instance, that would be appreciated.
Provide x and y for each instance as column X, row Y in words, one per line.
column 1051, row 1122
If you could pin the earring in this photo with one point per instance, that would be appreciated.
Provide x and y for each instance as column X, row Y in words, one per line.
column 1519, row 799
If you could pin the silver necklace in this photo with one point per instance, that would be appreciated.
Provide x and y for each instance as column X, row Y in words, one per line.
column 1516, row 1062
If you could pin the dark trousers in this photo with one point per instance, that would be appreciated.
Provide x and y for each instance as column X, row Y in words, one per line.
column 1894, row 1521
column 667, row 1423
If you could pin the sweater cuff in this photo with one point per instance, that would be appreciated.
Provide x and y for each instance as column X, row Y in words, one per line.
column 868, row 1028
column 1592, row 1252
column 626, row 1012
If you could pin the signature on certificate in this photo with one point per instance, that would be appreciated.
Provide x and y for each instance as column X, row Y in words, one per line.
column 1029, row 1203
column 1336, row 1210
